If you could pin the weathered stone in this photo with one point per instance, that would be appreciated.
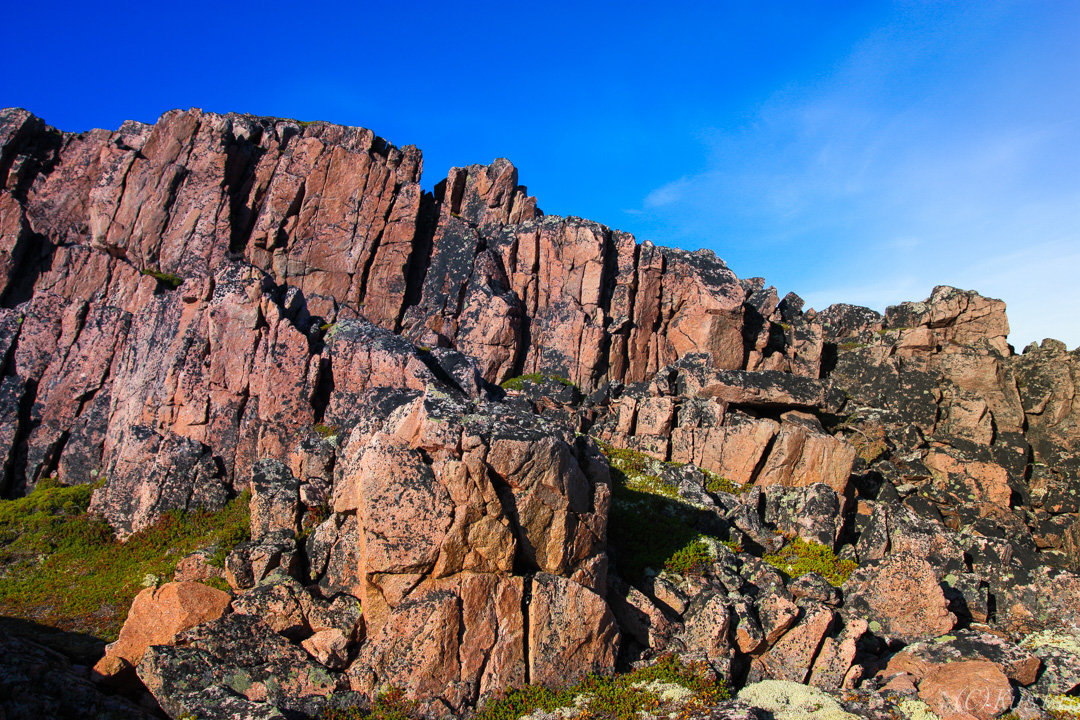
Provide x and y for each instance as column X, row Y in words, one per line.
column 813, row 586
column 777, row 614
column 571, row 632
column 812, row 512
column 708, row 629
column 198, row 566
column 901, row 598
column 919, row 659
column 250, row 562
column 158, row 615
column 330, row 647
column 450, row 644
column 275, row 499
column 803, row 454
column 152, row 474
column 956, row 316
column 792, row 656
column 233, row 667
column 39, row 682
column 836, row 655
column 280, row 602
column 965, row 689
column 638, row 617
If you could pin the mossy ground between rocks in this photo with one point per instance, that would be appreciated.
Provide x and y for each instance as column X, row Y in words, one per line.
column 517, row 383
column 62, row 567
column 648, row 527
column 168, row 279
column 800, row 557
column 621, row 697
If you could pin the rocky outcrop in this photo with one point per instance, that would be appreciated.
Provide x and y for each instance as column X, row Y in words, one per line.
column 220, row 303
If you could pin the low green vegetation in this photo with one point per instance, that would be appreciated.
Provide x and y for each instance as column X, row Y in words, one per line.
column 649, row 526
column 611, row 698
column 173, row 281
column 800, row 557
column 518, row 383
column 326, row 432
column 1063, row 707
column 716, row 483
column 732, row 546
column 638, row 471
column 62, row 567
column 690, row 559
column 391, row 704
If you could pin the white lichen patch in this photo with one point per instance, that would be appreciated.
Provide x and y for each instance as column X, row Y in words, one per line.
column 793, row 701
column 1062, row 703
column 667, row 692
column 561, row 713
column 1057, row 639
column 917, row 710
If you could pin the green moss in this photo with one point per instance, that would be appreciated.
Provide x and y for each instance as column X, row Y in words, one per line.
column 62, row 567
column 173, row 281
column 518, row 383
column 217, row 583
column 691, row 559
column 717, row 483
column 524, row 701
column 621, row 697
column 732, row 546
column 326, row 432
column 800, row 557
column 1063, row 706
column 639, row 471
column 644, row 527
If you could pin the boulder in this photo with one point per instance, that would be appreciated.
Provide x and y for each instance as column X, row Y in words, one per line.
column 450, row 644
column 967, row 689
column 792, row 656
column 901, row 598
column 234, row 666
column 572, row 632
column 803, row 454
column 918, row 659
column 157, row 616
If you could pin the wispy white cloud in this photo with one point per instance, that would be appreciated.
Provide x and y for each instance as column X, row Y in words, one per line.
column 668, row 193
column 915, row 163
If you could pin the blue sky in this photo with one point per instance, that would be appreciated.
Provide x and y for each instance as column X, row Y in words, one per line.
column 851, row 152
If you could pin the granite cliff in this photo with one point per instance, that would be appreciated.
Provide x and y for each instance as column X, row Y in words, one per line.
column 467, row 427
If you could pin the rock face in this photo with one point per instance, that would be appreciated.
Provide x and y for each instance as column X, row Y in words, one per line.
column 220, row 303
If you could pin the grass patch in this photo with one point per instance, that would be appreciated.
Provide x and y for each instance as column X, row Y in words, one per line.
column 611, row 698
column 518, row 383
column 717, row 483
column 649, row 526
column 62, row 567
column 173, row 281
column 800, row 557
